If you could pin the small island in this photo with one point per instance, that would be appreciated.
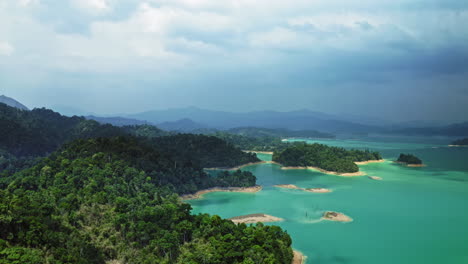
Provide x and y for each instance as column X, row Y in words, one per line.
column 294, row 187
column 459, row 143
column 199, row 194
column 255, row 218
column 410, row 160
column 337, row 217
column 326, row 159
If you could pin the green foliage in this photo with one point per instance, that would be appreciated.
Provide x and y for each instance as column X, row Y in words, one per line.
column 264, row 143
column 206, row 151
column 42, row 131
column 324, row 157
column 409, row 159
column 110, row 199
column 461, row 142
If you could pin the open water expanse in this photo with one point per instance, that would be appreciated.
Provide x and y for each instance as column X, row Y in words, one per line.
column 414, row 215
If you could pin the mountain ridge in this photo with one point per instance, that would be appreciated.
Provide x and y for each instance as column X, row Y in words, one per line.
column 12, row 102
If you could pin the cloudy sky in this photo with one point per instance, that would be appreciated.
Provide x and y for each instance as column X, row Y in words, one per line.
column 396, row 59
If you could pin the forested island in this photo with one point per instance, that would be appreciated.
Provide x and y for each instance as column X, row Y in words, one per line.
column 460, row 142
column 332, row 159
column 75, row 191
column 409, row 159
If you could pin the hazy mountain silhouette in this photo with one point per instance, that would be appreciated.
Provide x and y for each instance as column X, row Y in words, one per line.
column 12, row 102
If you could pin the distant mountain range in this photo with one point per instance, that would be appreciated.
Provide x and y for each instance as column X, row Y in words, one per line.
column 182, row 125
column 117, row 121
column 197, row 120
column 12, row 102
column 293, row 120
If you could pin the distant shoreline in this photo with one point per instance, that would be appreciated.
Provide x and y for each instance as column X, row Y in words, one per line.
column 261, row 152
column 346, row 174
column 200, row 193
column 238, row 167
column 410, row 165
column 458, row 146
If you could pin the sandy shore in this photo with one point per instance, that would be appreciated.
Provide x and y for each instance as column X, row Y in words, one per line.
column 359, row 173
column 255, row 218
column 416, row 165
column 368, row 162
column 238, row 167
column 410, row 165
column 199, row 194
column 375, row 178
column 335, row 216
column 261, row 152
column 313, row 190
column 299, row 258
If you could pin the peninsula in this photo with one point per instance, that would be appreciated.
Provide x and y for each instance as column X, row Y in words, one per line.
column 200, row 193
column 326, row 159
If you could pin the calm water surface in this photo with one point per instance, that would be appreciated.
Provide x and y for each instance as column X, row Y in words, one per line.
column 414, row 215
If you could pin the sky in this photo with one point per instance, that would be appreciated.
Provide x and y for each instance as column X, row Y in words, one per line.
column 393, row 59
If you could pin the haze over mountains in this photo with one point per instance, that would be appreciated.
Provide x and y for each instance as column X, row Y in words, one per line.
column 194, row 119
column 294, row 120
column 12, row 102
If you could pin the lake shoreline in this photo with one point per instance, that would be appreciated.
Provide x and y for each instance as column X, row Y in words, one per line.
column 199, row 194
column 346, row 174
column 410, row 165
column 237, row 167
column 368, row 162
column 299, row 257
column 261, row 152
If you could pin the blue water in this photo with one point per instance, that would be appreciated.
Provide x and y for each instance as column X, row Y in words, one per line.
column 414, row 215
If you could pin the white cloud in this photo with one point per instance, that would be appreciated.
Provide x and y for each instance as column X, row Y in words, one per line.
column 6, row 49
column 26, row 3
column 94, row 7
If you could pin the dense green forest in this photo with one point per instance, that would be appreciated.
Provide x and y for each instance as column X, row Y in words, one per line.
column 325, row 157
column 109, row 195
column 41, row 131
column 207, row 151
column 409, row 159
column 461, row 142
column 264, row 143
column 101, row 200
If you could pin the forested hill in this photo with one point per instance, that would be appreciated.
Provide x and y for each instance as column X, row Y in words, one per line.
column 324, row 157
column 109, row 200
column 29, row 134
column 41, row 131
column 207, row 151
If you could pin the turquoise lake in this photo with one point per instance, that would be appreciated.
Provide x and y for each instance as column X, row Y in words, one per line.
column 414, row 215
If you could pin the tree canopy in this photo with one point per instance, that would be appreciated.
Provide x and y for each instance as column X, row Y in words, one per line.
column 324, row 157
